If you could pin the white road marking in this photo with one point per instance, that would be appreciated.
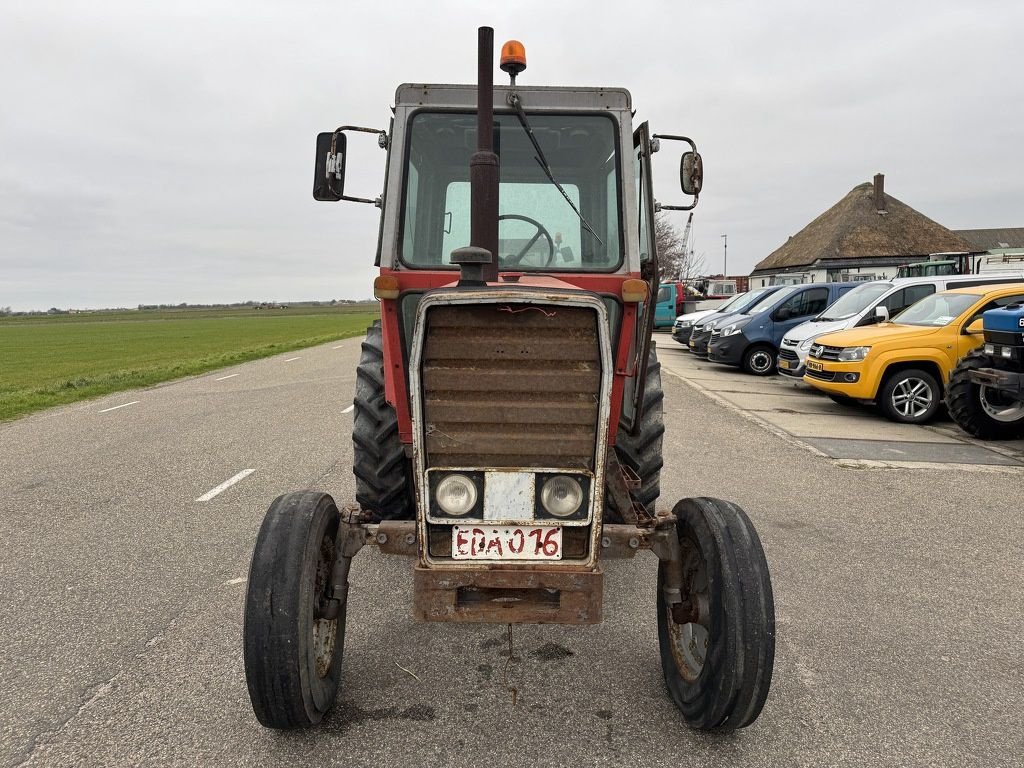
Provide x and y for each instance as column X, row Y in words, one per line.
column 229, row 376
column 290, row 359
column 225, row 485
column 349, row 409
column 239, row 580
column 338, row 347
column 123, row 405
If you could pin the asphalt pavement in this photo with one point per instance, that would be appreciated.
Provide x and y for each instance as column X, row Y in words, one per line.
column 899, row 599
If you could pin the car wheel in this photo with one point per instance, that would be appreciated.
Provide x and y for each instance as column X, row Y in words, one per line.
column 910, row 396
column 760, row 360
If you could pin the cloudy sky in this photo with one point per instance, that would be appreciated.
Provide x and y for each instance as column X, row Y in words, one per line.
column 162, row 152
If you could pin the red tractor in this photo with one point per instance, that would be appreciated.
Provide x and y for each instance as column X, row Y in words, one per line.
column 508, row 407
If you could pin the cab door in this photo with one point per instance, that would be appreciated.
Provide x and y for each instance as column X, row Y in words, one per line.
column 633, row 396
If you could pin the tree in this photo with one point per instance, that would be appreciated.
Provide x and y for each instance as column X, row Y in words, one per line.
column 675, row 252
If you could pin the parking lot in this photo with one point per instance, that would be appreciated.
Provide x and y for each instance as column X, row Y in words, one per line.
column 853, row 435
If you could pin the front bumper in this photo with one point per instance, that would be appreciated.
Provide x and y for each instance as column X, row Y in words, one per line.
column 834, row 377
column 792, row 362
column 698, row 343
column 728, row 350
column 682, row 335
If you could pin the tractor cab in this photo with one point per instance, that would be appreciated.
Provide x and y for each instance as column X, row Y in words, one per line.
column 508, row 422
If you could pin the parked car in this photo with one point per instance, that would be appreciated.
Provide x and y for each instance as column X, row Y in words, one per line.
column 701, row 334
column 857, row 308
column 683, row 326
column 751, row 338
column 904, row 365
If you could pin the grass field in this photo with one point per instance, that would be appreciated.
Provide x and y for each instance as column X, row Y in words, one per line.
column 53, row 360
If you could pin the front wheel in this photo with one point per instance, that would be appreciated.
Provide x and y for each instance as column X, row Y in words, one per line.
column 293, row 637
column 910, row 396
column 718, row 644
column 760, row 360
column 980, row 410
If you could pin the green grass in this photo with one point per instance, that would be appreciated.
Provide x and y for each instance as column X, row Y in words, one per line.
column 54, row 360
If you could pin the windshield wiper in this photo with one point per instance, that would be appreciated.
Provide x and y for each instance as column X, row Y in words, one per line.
column 542, row 161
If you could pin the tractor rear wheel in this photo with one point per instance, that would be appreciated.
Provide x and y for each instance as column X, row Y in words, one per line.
column 383, row 471
column 718, row 645
column 641, row 450
column 980, row 410
column 292, row 650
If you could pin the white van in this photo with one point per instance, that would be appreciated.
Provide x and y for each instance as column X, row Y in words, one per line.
column 857, row 308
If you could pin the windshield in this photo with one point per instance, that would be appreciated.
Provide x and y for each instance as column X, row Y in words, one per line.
column 937, row 309
column 777, row 294
column 538, row 229
column 854, row 302
column 735, row 300
column 748, row 299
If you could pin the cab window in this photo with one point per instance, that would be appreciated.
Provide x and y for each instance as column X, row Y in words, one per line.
column 900, row 300
column 665, row 293
column 809, row 302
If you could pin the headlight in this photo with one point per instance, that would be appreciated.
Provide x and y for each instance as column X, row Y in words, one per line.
column 806, row 344
column 684, row 323
column 561, row 496
column 853, row 354
column 456, row 495
column 732, row 330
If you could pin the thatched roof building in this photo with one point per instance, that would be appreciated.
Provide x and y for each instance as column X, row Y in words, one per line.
column 867, row 228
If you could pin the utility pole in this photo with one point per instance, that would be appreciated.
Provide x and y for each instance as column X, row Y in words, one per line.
column 725, row 260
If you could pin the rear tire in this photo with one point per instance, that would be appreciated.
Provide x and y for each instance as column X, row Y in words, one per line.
column 642, row 451
column 910, row 396
column 383, row 471
column 718, row 669
column 292, row 655
column 760, row 360
column 972, row 406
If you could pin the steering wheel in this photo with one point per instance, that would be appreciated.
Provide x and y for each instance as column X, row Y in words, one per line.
column 513, row 261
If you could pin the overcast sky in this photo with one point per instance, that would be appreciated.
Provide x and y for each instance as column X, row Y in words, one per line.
column 162, row 152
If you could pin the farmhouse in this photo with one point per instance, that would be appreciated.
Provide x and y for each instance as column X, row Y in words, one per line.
column 865, row 236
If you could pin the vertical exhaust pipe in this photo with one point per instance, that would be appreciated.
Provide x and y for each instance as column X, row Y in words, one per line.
column 483, row 175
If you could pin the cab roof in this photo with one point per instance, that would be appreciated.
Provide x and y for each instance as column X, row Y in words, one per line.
column 985, row 290
column 534, row 97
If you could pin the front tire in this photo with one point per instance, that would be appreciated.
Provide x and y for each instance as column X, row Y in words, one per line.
column 383, row 471
column 641, row 451
column 979, row 410
column 760, row 360
column 718, row 668
column 292, row 653
column 910, row 396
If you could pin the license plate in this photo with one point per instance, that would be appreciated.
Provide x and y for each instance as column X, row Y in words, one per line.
column 784, row 364
column 515, row 542
column 813, row 366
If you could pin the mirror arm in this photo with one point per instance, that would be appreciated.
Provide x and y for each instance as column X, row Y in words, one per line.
column 334, row 162
column 656, row 142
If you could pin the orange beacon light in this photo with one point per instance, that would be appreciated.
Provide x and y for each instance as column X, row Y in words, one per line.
column 513, row 58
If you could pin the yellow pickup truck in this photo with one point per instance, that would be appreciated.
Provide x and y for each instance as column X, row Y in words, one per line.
column 904, row 365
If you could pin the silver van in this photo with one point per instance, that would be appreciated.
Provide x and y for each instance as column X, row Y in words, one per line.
column 858, row 307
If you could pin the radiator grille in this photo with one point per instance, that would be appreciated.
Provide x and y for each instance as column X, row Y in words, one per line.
column 511, row 386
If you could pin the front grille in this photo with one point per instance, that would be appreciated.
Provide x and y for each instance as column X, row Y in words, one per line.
column 823, row 352
column 821, row 375
column 788, row 354
column 715, row 334
column 511, row 386
column 1006, row 338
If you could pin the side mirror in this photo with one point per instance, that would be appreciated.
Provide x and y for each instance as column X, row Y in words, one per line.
column 975, row 327
column 784, row 314
column 691, row 173
column 329, row 168
column 881, row 314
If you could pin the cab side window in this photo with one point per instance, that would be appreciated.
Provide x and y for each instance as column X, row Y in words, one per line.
column 997, row 303
column 809, row 302
column 665, row 293
column 900, row 300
